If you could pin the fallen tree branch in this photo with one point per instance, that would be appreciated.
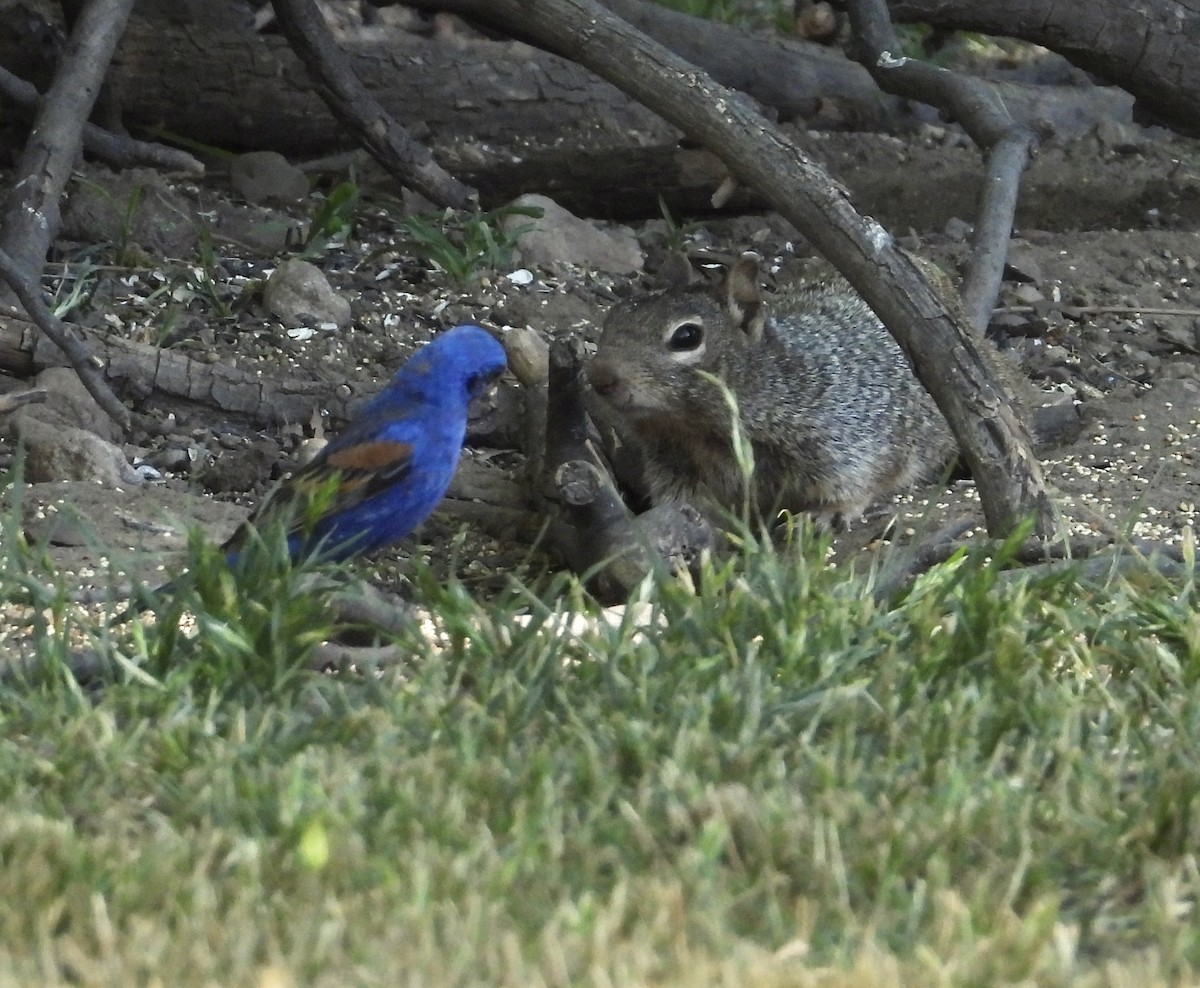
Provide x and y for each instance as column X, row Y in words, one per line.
column 1090, row 559
column 345, row 95
column 31, row 210
column 594, row 531
column 113, row 149
column 972, row 103
column 72, row 347
column 1148, row 48
column 162, row 377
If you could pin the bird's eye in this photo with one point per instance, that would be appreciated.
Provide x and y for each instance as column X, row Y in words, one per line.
column 686, row 336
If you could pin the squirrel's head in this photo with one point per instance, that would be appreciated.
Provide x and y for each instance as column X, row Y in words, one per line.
column 656, row 351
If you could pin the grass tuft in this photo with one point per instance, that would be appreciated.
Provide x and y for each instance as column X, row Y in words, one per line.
column 767, row 776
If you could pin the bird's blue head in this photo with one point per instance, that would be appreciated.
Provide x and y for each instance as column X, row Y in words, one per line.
column 465, row 357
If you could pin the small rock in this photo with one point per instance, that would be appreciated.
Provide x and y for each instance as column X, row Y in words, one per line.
column 258, row 228
column 266, row 176
column 1028, row 295
column 957, row 228
column 1022, row 265
column 1185, row 338
column 1120, row 137
column 173, row 457
column 239, row 469
column 71, row 405
column 57, row 452
column 528, row 355
column 1007, row 325
column 299, row 294
column 309, row 449
column 561, row 237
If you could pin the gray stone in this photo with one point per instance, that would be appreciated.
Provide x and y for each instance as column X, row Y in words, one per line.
column 267, row 176
column 298, row 294
column 559, row 236
column 57, row 452
column 70, row 405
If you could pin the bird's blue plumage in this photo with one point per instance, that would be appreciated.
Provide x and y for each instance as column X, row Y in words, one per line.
column 391, row 466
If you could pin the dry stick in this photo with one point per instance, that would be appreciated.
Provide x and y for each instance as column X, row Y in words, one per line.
column 31, row 210
column 994, row 441
column 594, row 530
column 118, row 151
column 1092, row 559
column 348, row 99
column 15, row 399
column 1006, row 144
column 81, row 359
column 1071, row 311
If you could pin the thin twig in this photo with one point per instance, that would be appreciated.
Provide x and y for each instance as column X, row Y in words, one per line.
column 345, row 95
column 1006, row 144
column 81, row 359
column 15, row 399
column 1094, row 310
column 116, row 150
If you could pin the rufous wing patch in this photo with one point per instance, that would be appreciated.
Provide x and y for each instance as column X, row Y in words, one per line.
column 380, row 455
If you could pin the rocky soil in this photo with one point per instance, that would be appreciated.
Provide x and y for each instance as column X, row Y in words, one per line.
column 1102, row 306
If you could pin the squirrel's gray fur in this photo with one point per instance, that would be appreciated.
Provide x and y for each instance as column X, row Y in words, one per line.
column 827, row 399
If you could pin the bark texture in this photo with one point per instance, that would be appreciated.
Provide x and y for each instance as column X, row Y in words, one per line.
column 1149, row 47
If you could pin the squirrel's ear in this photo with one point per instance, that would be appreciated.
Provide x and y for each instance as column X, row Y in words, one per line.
column 743, row 299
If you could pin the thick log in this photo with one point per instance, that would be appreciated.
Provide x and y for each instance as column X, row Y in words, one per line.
column 239, row 90
column 166, row 379
column 505, row 117
column 1148, row 47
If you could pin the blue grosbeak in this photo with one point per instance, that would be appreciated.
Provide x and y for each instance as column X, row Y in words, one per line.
column 387, row 471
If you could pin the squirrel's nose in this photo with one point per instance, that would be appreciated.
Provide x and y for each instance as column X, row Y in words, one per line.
column 603, row 377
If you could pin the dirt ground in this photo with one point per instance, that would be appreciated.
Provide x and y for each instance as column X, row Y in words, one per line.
column 1101, row 306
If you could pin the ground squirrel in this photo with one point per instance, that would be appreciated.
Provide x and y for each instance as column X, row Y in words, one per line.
column 836, row 419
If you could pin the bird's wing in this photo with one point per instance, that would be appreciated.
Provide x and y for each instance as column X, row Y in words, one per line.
column 366, row 468
column 346, row 474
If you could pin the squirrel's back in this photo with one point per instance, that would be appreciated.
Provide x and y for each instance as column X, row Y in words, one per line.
column 834, row 415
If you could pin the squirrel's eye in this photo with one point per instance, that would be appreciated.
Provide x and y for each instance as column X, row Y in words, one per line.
column 687, row 336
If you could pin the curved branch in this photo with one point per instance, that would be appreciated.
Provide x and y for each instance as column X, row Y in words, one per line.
column 76, row 351
column 31, row 211
column 994, row 441
column 1147, row 48
column 1006, row 144
column 116, row 150
column 348, row 99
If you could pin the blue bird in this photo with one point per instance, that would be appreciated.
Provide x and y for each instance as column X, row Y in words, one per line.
column 388, row 470
column 384, row 475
